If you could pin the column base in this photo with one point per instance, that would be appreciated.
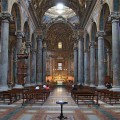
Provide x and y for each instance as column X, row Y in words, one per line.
column 27, row 85
column 4, row 88
column 33, row 84
column 115, row 88
column 18, row 86
column 86, row 84
column 92, row 85
column 101, row 87
column 39, row 83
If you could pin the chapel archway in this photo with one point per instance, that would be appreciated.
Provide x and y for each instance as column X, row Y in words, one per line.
column 106, row 26
column 15, row 25
column 95, row 42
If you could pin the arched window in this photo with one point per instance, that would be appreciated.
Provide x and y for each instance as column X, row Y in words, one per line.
column 59, row 45
column 59, row 66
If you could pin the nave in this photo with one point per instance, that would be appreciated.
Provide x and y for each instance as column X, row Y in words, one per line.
column 50, row 110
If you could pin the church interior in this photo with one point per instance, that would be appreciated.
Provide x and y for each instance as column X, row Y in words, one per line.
column 59, row 59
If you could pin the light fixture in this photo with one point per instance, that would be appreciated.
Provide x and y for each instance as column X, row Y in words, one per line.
column 60, row 6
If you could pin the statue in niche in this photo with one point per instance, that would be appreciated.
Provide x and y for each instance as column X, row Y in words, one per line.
column 23, row 49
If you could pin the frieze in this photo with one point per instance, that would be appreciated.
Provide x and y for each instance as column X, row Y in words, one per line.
column 6, row 16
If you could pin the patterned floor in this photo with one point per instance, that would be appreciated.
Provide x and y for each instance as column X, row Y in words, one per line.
column 50, row 110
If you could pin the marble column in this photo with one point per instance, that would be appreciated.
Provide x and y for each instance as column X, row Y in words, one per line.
column 114, row 17
column 101, row 65
column 75, row 63
column 28, row 82
column 44, row 62
column 4, row 50
column 92, row 64
column 80, row 61
column 18, row 46
column 86, row 67
column 33, row 67
column 39, row 60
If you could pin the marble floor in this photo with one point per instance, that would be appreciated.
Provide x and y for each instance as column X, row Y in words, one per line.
column 50, row 110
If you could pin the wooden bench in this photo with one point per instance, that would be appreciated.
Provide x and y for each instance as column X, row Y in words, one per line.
column 87, row 97
column 35, row 95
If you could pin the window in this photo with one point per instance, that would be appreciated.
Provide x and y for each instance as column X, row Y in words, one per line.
column 59, row 45
column 59, row 66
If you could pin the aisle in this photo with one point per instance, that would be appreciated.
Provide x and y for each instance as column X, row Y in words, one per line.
column 60, row 93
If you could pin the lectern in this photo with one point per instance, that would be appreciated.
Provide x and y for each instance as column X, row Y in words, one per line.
column 61, row 114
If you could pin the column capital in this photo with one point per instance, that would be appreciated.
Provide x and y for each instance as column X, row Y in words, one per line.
column 39, row 39
column 109, row 51
column 80, row 33
column 19, row 34
column 33, row 50
column 100, row 34
column 28, row 44
column 45, row 46
column 75, row 47
column 92, row 44
column 6, row 16
column 114, row 16
column 86, row 50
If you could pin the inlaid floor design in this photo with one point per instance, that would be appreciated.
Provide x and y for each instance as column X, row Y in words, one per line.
column 50, row 110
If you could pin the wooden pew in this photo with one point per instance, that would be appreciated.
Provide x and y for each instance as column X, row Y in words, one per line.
column 35, row 95
column 85, row 94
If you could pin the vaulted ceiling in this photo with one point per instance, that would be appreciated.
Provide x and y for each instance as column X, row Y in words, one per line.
column 60, row 31
column 78, row 6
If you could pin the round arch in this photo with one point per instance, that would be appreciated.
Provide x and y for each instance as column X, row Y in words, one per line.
column 105, row 12
column 26, row 32
column 60, row 20
column 16, row 13
column 94, row 30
